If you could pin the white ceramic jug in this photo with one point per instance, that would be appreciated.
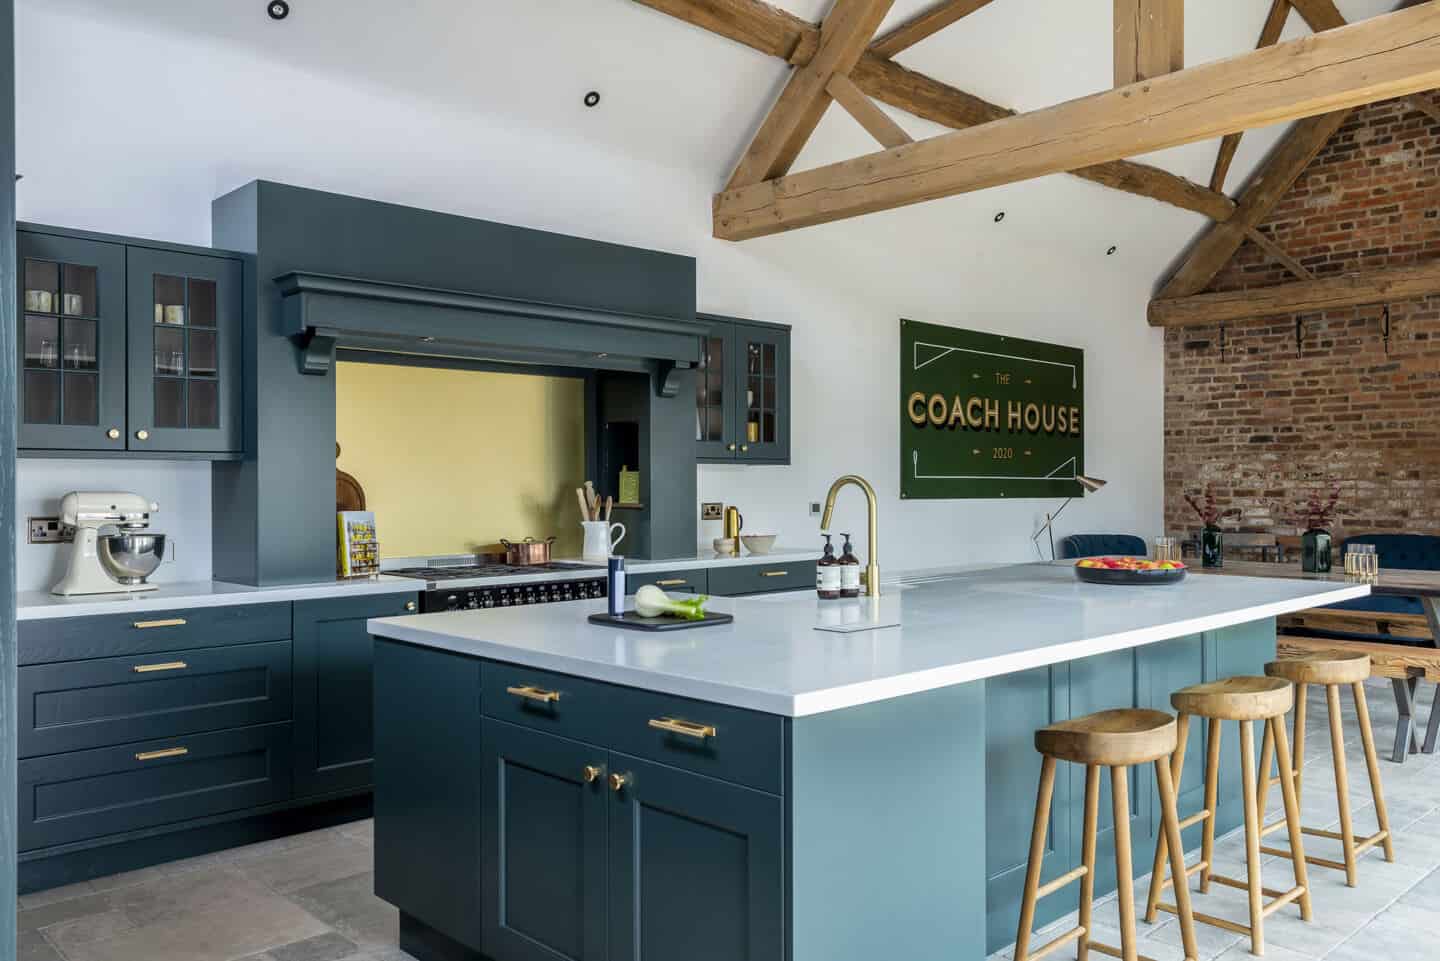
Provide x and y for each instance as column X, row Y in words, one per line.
column 598, row 544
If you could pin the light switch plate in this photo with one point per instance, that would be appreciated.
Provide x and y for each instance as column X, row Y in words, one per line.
column 814, row 508
column 712, row 512
column 47, row 530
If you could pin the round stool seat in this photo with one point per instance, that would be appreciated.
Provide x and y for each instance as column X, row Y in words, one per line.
column 1236, row 698
column 1335, row 667
column 1116, row 738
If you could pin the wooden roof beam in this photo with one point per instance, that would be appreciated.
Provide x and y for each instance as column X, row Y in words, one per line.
column 923, row 24
column 1269, row 36
column 1387, row 56
column 1347, row 290
column 1149, row 39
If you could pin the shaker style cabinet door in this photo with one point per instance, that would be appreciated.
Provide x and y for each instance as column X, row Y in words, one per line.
column 714, row 407
column 762, row 394
column 71, row 383
column 696, row 867
column 543, row 846
column 185, row 312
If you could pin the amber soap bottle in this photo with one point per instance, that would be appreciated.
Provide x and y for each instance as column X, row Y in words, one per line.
column 849, row 570
column 827, row 573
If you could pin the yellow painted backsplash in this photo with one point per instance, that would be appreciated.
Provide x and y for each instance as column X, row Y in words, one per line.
column 453, row 460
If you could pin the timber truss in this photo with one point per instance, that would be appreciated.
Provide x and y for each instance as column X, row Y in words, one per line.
column 1156, row 103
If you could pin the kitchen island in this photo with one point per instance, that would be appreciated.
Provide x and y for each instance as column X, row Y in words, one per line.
column 547, row 788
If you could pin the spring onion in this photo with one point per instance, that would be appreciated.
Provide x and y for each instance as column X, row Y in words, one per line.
column 650, row 601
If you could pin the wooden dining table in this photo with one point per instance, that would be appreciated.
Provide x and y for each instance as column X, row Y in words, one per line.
column 1422, row 585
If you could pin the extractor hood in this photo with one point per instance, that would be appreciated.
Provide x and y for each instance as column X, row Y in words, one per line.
column 323, row 312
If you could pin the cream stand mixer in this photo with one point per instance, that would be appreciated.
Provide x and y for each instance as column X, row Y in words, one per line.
column 111, row 554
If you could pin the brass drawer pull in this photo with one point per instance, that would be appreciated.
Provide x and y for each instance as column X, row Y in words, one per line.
column 773, row 573
column 591, row 773
column 532, row 693
column 168, row 622
column 672, row 582
column 687, row 728
column 167, row 666
column 167, row 752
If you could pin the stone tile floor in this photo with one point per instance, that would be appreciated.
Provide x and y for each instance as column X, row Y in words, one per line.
column 309, row 897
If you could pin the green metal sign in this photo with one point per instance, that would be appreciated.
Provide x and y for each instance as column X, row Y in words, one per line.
column 988, row 416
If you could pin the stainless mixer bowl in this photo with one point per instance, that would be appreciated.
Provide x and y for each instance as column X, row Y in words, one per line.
column 130, row 557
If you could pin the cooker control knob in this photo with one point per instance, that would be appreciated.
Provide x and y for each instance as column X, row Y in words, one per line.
column 452, row 603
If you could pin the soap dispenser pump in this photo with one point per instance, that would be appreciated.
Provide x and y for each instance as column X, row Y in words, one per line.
column 827, row 573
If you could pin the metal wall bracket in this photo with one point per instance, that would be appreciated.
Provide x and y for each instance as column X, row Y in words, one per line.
column 1385, row 328
column 317, row 353
column 1222, row 343
column 1299, row 336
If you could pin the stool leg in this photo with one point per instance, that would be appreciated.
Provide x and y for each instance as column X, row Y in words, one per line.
column 1342, row 781
column 1212, row 786
column 1087, row 857
column 1037, row 857
column 1252, row 837
column 1157, row 870
column 1124, row 867
column 1292, row 814
column 1267, row 760
column 1298, row 760
column 1170, row 820
column 1367, row 737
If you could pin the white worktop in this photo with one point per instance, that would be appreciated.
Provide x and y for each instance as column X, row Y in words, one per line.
column 956, row 627
column 39, row 605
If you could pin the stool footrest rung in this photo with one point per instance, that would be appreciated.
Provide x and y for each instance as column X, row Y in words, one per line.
column 1190, row 872
column 1361, row 844
column 1282, row 900
column 1209, row 919
column 1113, row 951
column 1060, row 882
column 1073, row 934
column 1194, row 819
column 1272, row 827
column 1309, row 858
column 1239, row 885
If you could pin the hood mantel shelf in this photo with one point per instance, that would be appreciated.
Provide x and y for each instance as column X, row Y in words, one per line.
column 323, row 311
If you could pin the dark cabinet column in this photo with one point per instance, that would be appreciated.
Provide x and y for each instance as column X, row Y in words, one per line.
column 543, row 844
column 696, row 867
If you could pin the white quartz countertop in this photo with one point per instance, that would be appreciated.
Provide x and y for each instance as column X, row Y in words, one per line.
column 954, row 628
column 39, row 605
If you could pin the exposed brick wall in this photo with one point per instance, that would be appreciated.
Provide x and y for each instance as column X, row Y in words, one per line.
column 1268, row 427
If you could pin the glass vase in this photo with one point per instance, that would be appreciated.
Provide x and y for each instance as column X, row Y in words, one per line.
column 1315, row 551
column 1212, row 547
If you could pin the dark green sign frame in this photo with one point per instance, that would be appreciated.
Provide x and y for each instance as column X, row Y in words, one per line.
column 997, row 416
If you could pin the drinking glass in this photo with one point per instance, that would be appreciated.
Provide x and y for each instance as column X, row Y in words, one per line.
column 1167, row 548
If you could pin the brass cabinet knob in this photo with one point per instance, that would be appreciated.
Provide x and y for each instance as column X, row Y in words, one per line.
column 591, row 773
column 729, row 446
column 409, row 605
column 744, row 448
column 618, row 782
column 142, row 434
column 113, row 433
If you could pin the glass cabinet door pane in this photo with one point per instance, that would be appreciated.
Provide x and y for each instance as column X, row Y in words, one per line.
column 42, row 397
column 767, row 352
column 169, row 352
column 202, row 353
column 202, row 302
column 79, row 345
column 42, row 286
column 169, row 300
column 82, row 399
column 204, row 402
column 79, row 297
column 42, row 342
column 169, row 403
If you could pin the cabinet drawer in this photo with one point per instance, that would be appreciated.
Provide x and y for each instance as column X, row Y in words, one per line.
column 762, row 578
column 745, row 747
column 148, row 632
column 689, row 581
column 88, row 794
column 85, row 704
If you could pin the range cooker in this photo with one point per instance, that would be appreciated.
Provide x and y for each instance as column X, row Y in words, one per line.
column 474, row 598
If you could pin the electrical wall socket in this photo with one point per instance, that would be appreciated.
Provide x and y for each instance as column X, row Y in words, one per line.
column 47, row 530
column 814, row 508
column 712, row 512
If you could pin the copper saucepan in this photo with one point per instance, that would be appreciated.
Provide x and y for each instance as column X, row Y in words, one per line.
column 527, row 552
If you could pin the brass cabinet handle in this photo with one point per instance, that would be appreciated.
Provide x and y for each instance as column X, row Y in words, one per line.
column 142, row 435
column 671, row 582
column 409, row 605
column 591, row 773
column 532, row 693
column 166, row 752
column 168, row 622
column 773, row 573
column 618, row 782
column 688, row 728
column 167, row 666
column 113, row 433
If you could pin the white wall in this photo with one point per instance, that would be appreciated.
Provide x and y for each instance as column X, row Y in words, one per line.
column 142, row 127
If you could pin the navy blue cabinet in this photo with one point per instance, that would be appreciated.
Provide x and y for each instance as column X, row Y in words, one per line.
column 742, row 392
column 334, row 696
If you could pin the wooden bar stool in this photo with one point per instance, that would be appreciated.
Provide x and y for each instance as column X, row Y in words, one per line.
column 1332, row 670
column 1246, row 700
column 1117, row 740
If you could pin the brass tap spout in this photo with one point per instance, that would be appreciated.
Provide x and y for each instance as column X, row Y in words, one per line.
column 871, row 577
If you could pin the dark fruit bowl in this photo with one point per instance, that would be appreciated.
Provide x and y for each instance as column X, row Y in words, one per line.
column 1105, row 575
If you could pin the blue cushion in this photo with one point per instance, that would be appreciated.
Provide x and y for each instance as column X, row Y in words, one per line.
column 1096, row 545
column 1381, row 603
column 1402, row 552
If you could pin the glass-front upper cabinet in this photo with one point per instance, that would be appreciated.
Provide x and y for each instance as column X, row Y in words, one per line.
column 184, row 349
column 71, row 383
column 742, row 409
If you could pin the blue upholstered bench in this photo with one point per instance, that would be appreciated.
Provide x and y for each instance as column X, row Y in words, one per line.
column 1097, row 545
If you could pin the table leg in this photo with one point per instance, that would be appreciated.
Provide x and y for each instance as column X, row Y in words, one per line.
column 1432, row 614
column 1405, row 734
column 1432, row 730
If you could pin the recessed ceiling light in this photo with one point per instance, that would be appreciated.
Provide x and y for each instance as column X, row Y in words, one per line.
column 1000, row 216
column 592, row 98
column 1111, row 251
column 278, row 9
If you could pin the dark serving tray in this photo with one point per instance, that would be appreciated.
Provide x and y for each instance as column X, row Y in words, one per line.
column 1103, row 575
column 635, row 622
